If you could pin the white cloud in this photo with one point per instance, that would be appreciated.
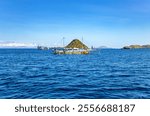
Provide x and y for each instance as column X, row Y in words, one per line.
column 15, row 44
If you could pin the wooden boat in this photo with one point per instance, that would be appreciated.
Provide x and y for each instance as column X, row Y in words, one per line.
column 70, row 51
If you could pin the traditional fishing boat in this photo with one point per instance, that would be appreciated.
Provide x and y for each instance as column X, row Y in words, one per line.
column 71, row 51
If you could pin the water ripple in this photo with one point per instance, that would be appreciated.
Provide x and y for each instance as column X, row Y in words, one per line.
column 106, row 73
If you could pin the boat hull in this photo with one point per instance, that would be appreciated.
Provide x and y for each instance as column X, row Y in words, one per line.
column 71, row 52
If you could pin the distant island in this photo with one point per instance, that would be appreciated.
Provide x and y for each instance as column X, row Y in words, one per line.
column 136, row 46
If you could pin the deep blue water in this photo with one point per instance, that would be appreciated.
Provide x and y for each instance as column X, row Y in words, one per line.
column 105, row 73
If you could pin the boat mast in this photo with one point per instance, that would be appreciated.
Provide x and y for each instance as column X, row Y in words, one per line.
column 82, row 41
column 63, row 41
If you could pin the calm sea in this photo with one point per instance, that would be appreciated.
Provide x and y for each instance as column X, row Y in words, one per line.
column 105, row 73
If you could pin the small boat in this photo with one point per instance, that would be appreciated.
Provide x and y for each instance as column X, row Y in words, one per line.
column 70, row 51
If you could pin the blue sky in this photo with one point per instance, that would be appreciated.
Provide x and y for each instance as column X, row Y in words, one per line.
column 113, row 23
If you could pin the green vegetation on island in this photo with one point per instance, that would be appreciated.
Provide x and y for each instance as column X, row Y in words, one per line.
column 76, row 44
column 136, row 46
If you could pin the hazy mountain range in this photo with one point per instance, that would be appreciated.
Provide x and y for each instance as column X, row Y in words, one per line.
column 17, row 45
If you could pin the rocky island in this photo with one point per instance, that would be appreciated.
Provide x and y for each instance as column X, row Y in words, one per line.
column 136, row 46
column 74, row 47
column 76, row 43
